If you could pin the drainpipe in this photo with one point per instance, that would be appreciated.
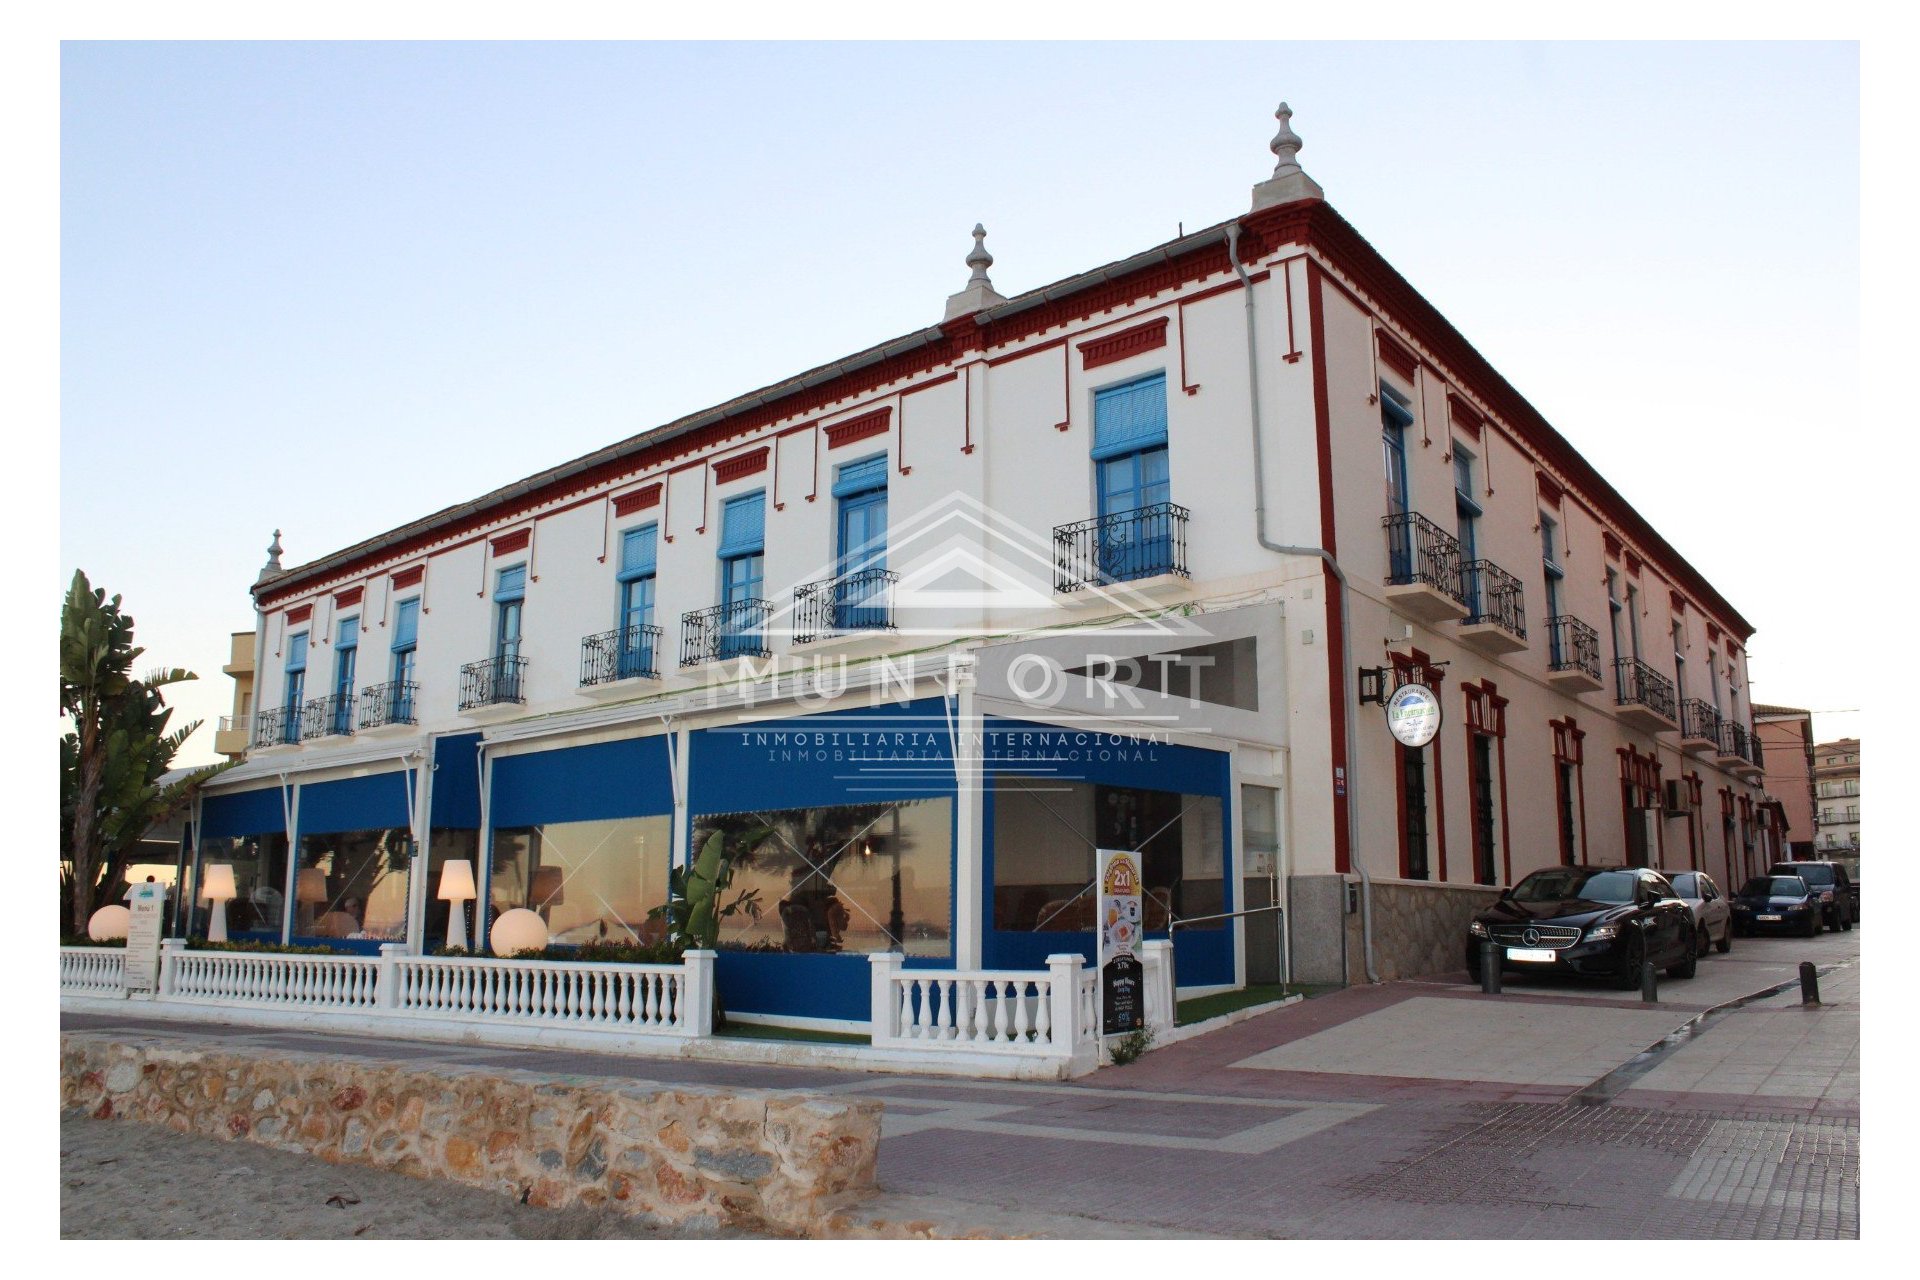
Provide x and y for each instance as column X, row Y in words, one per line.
column 1346, row 629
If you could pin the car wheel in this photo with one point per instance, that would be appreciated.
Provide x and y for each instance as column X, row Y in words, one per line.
column 1634, row 954
column 1703, row 943
column 1846, row 923
column 1691, row 965
column 1726, row 939
column 1813, row 926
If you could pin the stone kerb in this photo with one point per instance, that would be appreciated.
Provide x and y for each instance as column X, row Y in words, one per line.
column 759, row 1160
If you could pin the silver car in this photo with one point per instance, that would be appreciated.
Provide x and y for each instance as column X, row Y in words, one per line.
column 1712, row 916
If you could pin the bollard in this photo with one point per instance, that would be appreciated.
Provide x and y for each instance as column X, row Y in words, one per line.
column 1490, row 968
column 1649, row 984
column 1809, row 983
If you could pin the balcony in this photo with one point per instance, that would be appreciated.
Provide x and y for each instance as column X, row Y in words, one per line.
column 737, row 630
column 386, row 705
column 1731, row 749
column 277, row 727
column 1699, row 727
column 233, row 735
column 1496, row 620
column 495, row 682
column 1423, row 569
column 1573, row 655
column 1643, row 696
column 860, row 601
column 1121, row 546
column 625, row 653
column 1749, row 764
column 327, row 717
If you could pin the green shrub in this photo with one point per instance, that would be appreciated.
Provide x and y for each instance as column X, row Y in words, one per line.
column 1130, row 1046
column 277, row 948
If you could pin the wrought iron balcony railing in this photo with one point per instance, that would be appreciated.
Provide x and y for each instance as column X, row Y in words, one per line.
column 625, row 653
column 1753, row 749
column 1420, row 552
column 496, row 680
column 1493, row 595
column 325, row 717
column 737, row 630
column 1698, row 719
column 1572, row 645
column 276, row 726
column 1122, row 546
column 1637, row 683
column 858, row 601
column 1733, row 739
column 389, row 703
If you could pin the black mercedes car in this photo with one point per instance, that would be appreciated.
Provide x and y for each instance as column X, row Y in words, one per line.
column 1777, row 904
column 1597, row 922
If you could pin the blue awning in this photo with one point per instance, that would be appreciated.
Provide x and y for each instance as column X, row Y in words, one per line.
column 1130, row 417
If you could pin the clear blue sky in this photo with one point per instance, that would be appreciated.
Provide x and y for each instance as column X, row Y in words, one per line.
column 332, row 287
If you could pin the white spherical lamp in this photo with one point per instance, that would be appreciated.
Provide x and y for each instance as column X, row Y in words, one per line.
column 108, row 923
column 516, row 931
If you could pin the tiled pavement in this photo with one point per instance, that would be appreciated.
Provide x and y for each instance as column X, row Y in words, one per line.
column 1410, row 1110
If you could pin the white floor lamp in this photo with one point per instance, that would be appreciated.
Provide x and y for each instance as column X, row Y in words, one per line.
column 219, row 890
column 456, row 890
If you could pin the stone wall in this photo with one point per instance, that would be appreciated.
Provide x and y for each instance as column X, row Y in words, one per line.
column 1419, row 929
column 759, row 1160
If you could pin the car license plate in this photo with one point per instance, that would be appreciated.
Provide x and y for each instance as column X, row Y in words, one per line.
column 1530, row 953
column 1768, row 919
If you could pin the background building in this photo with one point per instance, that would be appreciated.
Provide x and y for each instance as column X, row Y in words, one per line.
column 1836, row 787
column 235, row 730
column 1786, row 738
column 1126, row 560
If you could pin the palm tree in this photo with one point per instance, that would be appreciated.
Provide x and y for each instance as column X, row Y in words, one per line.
column 113, row 758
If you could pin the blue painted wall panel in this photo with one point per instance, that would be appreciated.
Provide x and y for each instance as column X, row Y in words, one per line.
column 242, row 813
column 624, row 779
column 355, row 804
column 842, row 757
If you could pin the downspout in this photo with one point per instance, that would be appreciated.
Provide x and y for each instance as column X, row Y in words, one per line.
column 1346, row 629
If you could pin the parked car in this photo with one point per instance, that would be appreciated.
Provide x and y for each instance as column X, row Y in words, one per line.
column 1598, row 922
column 1839, row 897
column 1776, row 904
column 1712, row 914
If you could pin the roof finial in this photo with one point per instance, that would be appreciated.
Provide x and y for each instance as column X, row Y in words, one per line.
column 979, row 259
column 979, row 293
column 272, row 565
column 1289, row 181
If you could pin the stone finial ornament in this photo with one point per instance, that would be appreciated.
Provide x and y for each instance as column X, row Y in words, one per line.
column 979, row 293
column 272, row 565
column 1289, row 181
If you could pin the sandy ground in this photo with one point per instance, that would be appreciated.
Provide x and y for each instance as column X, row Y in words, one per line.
column 125, row 1181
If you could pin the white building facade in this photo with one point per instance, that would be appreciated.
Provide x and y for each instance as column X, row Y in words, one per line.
column 1124, row 561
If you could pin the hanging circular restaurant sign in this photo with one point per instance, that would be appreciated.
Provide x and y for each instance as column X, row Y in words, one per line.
column 1413, row 715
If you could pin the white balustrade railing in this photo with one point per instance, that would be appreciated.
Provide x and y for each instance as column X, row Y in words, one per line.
column 93, row 971
column 1040, row 1014
column 674, row 999
column 269, row 978
column 661, row 999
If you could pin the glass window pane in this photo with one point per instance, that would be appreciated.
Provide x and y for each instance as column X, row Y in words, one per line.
column 851, row 877
column 259, row 878
column 443, row 845
column 590, row 881
column 353, row 884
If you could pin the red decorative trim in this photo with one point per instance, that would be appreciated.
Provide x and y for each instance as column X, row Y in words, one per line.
column 347, row 599
column 1713, row 634
column 1612, row 545
column 1634, row 565
column 508, row 543
column 864, row 427
column 1678, row 602
column 1180, row 314
column 298, row 615
column 1337, row 674
column 1487, row 718
column 1469, row 419
column 409, row 577
column 1127, row 342
column 753, row 462
column 1395, row 356
column 1550, row 490
column 639, row 500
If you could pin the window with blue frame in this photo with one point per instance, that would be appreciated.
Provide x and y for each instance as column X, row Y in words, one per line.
column 638, row 564
column 1131, row 479
column 296, row 687
column 346, row 649
column 406, row 640
column 1466, row 520
column 743, row 530
column 1395, row 417
column 859, row 599
column 509, row 602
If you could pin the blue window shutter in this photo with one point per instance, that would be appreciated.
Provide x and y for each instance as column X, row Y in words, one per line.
column 638, row 552
column 297, row 653
column 349, row 632
column 1130, row 417
column 406, row 624
column 513, row 584
column 861, row 477
column 743, row 525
